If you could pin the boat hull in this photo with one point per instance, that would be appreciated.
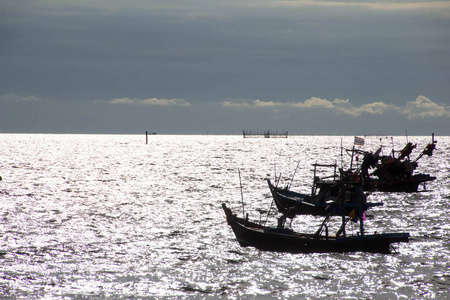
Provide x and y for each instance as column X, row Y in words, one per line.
column 283, row 240
column 407, row 185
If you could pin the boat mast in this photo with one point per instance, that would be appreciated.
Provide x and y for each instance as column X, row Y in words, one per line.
column 342, row 192
column 242, row 194
column 360, row 206
column 343, row 213
column 293, row 175
column 393, row 151
column 313, row 189
column 351, row 161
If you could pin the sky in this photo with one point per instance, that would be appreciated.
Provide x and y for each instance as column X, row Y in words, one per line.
column 218, row 67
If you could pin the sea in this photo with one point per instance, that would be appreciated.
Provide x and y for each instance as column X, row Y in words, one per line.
column 122, row 217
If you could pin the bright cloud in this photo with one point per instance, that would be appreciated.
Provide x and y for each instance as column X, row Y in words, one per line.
column 259, row 103
column 374, row 108
column 422, row 107
column 313, row 102
column 151, row 101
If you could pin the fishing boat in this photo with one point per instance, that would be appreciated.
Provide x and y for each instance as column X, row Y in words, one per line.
column 281, row 239
column 394, row 174
column 323, row 198
column 322, row 204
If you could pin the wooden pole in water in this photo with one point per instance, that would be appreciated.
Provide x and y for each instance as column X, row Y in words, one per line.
column 146, row 137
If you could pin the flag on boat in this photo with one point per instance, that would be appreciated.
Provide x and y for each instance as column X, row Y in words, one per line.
column 359, row 141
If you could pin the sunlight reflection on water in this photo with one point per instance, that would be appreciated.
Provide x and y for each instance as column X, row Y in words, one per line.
column 107, row 215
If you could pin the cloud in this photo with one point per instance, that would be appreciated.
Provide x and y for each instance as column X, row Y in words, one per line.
column 259, row 103
column 374, row 108
column 314, row 102
column 342, row 106
column 405, row 5
column 12, row 97
column 121, row 101
column 236, row 103
column 151, row 101
column 231, row 102
column 423, row 107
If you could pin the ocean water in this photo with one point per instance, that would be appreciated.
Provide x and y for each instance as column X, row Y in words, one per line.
column 96, row 216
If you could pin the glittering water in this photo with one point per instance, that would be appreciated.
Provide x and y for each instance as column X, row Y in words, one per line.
column 109, row 216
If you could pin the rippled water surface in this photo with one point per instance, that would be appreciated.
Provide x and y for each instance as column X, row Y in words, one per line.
column 109, row 216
